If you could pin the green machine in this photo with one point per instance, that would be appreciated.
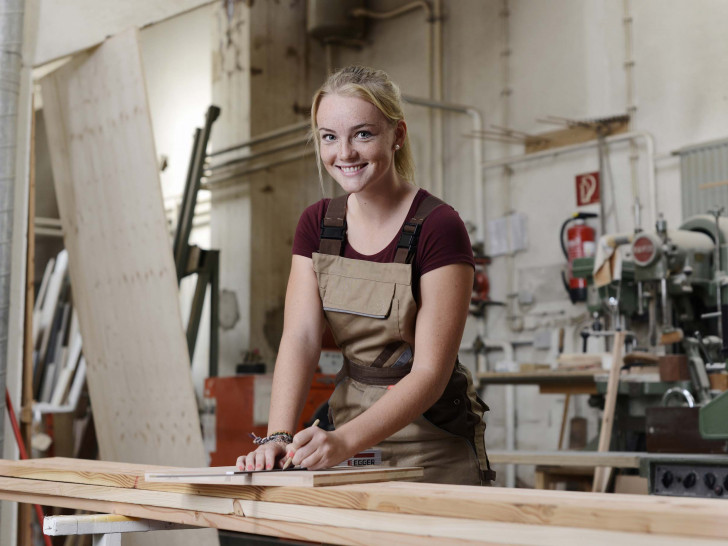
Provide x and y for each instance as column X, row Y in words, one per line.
column 674, row 281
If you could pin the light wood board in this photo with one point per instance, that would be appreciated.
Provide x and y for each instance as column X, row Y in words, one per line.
column 122, row 273
column 684, row 517
column 297, row 478
column 271, row 518
column 120, row 258
column 617, row 459
column 603, row 473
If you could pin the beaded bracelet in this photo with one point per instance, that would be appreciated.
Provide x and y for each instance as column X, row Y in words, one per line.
column 280, row 436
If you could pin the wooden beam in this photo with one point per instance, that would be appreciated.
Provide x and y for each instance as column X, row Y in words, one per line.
column 295, row 531
column 217, row 505
column 296, row 478
column 685, row 517
column 345, row 526
column 617, row 459
column 602, row 473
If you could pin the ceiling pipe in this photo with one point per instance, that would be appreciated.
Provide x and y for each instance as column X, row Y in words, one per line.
column 646, row 137
column 478, row 174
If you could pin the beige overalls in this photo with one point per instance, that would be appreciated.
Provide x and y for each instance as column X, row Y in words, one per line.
column 371, row 311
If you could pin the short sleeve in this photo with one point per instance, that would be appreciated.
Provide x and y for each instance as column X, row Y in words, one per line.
column 444, row 241
column 306, row 238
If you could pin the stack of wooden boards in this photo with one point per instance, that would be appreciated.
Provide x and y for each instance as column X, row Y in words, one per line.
column 370, row 513
column 59, row 369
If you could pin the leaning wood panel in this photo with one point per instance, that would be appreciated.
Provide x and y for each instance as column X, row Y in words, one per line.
column 105, row 170
column 120, row 259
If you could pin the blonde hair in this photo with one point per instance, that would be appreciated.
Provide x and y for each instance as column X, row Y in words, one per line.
column 375, row 87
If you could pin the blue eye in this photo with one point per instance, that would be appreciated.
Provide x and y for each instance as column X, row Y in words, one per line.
column 363, row 134
column 327, row 138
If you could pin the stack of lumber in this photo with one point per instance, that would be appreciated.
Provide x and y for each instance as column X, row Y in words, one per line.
column 59, row 368
column 371, row 513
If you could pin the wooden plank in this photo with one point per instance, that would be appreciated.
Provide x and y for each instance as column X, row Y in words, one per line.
column 539, row 376
column 261, row 517
column 105, row 171
column 217, row 505
column 628, row 513
column 448, row 528
column 572, row 135
column 299, row 478
column 295, row 531
column 602, row 473
column 120, row 260
column 618, row 459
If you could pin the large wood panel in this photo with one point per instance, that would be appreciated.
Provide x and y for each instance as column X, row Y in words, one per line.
column 122, row 273
column 631, row 514
column 120, row 259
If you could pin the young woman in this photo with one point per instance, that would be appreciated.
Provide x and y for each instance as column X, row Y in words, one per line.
column 390, row 269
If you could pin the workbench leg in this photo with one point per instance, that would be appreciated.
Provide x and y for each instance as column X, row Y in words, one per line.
column 107, row 539
column 540, row 480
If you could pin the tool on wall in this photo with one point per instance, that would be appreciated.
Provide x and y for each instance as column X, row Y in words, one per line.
column 580, row 243
column 191, row 259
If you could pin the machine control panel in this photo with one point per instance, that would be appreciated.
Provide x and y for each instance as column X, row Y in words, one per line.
column 690, row 480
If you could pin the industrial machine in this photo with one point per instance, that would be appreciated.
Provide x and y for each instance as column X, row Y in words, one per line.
column 670, row 294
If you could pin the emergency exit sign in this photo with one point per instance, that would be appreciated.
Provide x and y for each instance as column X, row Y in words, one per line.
column 587, row 189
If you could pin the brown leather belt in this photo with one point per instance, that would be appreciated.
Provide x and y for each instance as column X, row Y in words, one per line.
column 372, row 376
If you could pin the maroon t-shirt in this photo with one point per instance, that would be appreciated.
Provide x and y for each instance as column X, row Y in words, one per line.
column 443, row 239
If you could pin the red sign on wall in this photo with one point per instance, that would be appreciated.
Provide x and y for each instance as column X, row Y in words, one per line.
column 587, row 189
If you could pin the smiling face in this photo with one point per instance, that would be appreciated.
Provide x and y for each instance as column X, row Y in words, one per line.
column 357, row 143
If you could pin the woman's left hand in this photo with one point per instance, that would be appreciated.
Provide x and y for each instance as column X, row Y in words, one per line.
column 315, row 449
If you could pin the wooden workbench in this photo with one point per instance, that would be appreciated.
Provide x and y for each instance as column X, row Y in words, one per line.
column 549, row 382
column 389, row 512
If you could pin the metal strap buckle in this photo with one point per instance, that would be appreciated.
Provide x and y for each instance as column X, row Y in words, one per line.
column 408, row 239
column 333, row 232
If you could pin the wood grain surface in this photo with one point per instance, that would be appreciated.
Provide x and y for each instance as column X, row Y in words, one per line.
column 636, row 514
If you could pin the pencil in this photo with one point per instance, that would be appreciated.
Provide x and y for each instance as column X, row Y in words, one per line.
column 289, row 460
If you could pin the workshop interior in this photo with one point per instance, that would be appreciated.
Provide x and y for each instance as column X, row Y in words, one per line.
column 155, row 158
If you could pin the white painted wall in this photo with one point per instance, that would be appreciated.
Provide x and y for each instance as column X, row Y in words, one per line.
column 178, row 66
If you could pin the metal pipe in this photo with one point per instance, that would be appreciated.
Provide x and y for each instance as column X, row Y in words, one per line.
column 437, row 94
column 217, row 182
column 419, row 4
column 648, row 139
column 264, row 137
column 11, row 61
column 477, row 121
column 255, row 155
column 435, row 81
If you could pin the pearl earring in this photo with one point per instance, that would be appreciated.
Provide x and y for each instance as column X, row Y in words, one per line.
column 396, row 146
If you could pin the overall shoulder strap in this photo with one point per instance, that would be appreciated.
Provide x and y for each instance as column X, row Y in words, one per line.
column 333, row 227
column 407, row 245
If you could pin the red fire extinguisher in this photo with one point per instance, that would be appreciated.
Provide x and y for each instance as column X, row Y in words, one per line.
column 580, row 243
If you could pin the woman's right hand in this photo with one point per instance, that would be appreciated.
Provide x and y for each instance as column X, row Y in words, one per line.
column 263, row 458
